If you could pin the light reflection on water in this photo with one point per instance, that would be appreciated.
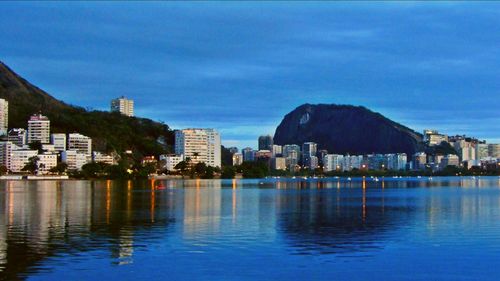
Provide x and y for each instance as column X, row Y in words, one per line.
column 391, row 229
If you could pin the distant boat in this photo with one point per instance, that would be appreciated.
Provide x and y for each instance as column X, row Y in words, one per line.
column 160, row 187
column 349, row 178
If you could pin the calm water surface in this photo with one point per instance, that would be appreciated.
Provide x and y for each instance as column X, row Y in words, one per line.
column 329, row 229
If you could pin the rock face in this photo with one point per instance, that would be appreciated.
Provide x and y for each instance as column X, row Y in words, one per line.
column 344, row 129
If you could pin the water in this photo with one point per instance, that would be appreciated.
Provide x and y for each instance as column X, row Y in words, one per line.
column 329, row 229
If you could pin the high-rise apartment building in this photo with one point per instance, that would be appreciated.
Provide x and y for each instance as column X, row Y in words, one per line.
column 59, row 141
column 6, row 148
column 266, row 143
column 38, row 129
column 199, row 145
column 80, row 143
column 4, row 116
column 309, row 150
column 248, row 154
column 17, row 136
column 123, row 105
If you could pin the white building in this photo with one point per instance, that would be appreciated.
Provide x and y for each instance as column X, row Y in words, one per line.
column 123, row 105
column 59, row 141
column 46, row 161
column 4, row 116
column 38, row 129
column 74, row 160
column 19, row 159
column 6, row 148
column 279, row 163
column 171, row 160
column 17, row 136
column 99, row 157
column 214, row 148
column 333, row 162
column 80, row 143
column 199, row 145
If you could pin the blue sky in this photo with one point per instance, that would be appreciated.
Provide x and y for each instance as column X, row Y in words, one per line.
column 241, row 66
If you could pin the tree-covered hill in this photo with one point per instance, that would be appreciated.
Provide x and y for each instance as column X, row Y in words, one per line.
column 109, row 131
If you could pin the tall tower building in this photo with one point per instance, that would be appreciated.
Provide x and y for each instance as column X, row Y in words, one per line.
column 4, row 116
column 200, row 145
column 266, row 143
column 123, row 105
column 38, row 129
column 309, row 151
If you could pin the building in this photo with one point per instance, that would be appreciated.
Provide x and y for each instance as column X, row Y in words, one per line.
column 291, row 152
column 46, row 161
column 38, row 129
column 333, row 162
column 450, row 160
column 19, row 159
column 80, row 143
column 266, row 143
column 248, row 154
column 17, row 136
column 263, row 154
column 169, row 161
column 74, row 159
column 419, row 160
column 433, row 137
column 6, row 148
column 199, row 145
column 237, row 159
column 123, row 105
column 59, row 141
column 233, row 150
column 494, row 150
column 353, row 162
column 99, row 157
column 214, row 154
column 278, row 163
column 4, row 116
column 277, row 150
column 309, row 150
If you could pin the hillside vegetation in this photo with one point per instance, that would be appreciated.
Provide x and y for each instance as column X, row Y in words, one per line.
column 109, row 131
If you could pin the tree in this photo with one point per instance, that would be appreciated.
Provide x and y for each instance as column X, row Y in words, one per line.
column 60, row 168
column 32, row 165
column 182, row 166
column 36, row 145
column 3, row 170
column 228, row 172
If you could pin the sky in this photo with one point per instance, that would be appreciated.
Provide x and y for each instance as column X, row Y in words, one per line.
column 240, row 67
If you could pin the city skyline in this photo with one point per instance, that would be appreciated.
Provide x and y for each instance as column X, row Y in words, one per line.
column 258, row 61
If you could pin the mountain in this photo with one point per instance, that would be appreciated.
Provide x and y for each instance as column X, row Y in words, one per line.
column 110, row 131
column 346, row 129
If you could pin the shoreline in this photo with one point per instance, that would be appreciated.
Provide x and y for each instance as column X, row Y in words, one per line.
column 347, row 178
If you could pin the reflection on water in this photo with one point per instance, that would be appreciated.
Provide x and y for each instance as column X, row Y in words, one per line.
column 51, row 229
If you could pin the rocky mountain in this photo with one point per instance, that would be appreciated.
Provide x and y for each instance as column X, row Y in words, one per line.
column 346, row 129
column 109, row 131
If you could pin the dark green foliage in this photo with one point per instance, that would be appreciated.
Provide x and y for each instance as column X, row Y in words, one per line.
column 60, row 168
column 228, row 172
column 444, row 148
column 109, row 131
column 3, row 170
column 32, row 165
column 254, row 169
